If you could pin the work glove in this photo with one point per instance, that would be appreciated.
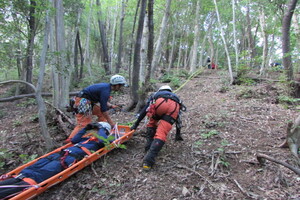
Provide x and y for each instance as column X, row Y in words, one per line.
column 89, row 126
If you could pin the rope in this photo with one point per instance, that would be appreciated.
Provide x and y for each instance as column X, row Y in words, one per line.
column 16, row 186
column 189, row 78
column 117, row 135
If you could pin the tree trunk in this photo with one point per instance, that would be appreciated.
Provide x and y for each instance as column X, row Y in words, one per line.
column 120, row 48
column 196, row 40
column 234, row 37
column 64, row 69
column 81, row 57
column 265, row 43
column 225, row 45
column 112, row 42
column 251, row 44
column 39, row 99
column 296, row 25
column 76, row 71
column 30, row 44
column 132, row 39
column 286, row 26
column 146, row 85
column 136, row 60
column 144, row 47
column 171, row 59
column 106, row 59
column 87, row 42
column 161, row 35
column 54, row 70
column 179, row 53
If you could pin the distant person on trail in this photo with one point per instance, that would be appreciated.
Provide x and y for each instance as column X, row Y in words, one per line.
column 163, row 109
column 51, row 165
column 275, row 64
column 93, row 100
column 208, row 63
column 213, row 65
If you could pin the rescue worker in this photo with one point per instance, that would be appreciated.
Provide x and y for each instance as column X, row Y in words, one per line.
column 208, row 63
column 93, row 100
column 163, row 110
column 48, row 166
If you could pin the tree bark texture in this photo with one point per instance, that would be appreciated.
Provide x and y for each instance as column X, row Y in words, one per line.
column 30, row 43
column 39, row 99
column 161, row 35
column 286, row 26
column 106, row 59
column 225, row 45
column 63, row 68
column 120, row 48
column 136, row 59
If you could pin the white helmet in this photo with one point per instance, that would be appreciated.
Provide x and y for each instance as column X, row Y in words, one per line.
column 118, row 79
column 105, row 125
column 165, row 87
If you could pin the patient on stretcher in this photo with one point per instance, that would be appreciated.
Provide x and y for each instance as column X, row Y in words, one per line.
column 51, row 165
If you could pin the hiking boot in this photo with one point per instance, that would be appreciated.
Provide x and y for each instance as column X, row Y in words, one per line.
column 149, row 137
column 146, row 167
column 149, row 158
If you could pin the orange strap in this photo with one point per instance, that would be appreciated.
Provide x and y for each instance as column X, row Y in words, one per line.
column 86, row 150
column 30, row 181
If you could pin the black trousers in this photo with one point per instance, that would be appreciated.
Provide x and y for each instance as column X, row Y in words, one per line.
column 4, row 192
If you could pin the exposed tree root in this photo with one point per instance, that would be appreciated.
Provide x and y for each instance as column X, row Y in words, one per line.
column 261, row 157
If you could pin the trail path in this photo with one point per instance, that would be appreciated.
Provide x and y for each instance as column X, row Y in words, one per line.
column 224, row 127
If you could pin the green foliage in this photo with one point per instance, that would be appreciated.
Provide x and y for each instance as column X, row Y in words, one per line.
column 5, row 155
column 107, row 143
column 26, row 158
column 34, row 118
column 198, row 143
column 183, row 73
column 246, row 93
column 288, row 100
column 221, row 150
column 17, row 123
column 2, row 114
column 209, row 134
column 175, row 79
column 27, row 102
column 223, row 162
column 242, row 78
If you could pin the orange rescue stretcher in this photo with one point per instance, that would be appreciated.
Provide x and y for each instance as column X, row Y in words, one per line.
column 125, row 134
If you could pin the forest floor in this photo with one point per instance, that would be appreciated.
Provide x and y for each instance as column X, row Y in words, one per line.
column 224, row 128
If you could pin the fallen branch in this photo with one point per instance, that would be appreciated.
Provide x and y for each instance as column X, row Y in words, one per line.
column 32, row 95
column 260, row 158
column 250, row 195
column 185, row 167
column 62, row 114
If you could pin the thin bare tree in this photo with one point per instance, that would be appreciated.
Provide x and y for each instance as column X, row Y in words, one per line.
column 158, row 47
column 225, row 44
column 136, row 59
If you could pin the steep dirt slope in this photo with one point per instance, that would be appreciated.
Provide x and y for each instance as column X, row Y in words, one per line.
column 224, row 127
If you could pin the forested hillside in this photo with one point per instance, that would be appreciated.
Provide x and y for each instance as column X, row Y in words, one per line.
column 235, row 64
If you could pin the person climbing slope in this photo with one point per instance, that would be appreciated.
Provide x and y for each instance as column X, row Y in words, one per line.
column 163, row 108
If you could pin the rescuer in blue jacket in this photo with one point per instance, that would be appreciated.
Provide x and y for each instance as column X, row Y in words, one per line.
column 93, row 100
column 47, row 167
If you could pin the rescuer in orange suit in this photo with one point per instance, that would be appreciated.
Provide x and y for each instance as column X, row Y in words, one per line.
column 163, row 109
